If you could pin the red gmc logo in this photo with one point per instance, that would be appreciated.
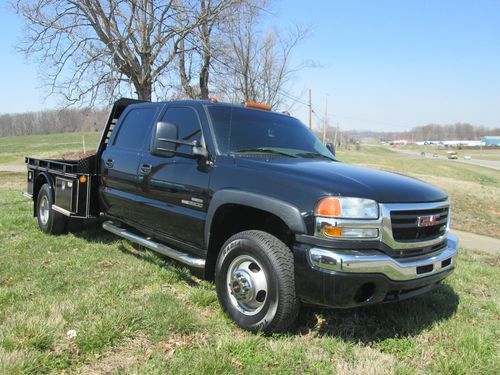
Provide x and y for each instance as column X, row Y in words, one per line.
column 428, row 221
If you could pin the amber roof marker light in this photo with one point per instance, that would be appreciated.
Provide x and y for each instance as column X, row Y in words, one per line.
column 257, row 105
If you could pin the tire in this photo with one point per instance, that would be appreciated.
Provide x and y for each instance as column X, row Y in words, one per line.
column 255, row 282
column 49, row 221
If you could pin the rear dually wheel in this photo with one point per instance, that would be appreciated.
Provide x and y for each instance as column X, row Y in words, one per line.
column 49, row 221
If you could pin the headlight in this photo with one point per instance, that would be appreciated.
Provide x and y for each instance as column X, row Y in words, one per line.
column 347, row 208
column 347, row 218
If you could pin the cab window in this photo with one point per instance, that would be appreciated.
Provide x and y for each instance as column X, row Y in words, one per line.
column 188, row 125
column 135, row 128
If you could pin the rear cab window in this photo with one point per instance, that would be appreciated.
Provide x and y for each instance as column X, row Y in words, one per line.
column 134, row 129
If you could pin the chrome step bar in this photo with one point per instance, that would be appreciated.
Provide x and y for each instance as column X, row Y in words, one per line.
column 155, row 246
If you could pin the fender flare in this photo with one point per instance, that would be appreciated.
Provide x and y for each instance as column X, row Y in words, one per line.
column 45, row 178
column 285, row 211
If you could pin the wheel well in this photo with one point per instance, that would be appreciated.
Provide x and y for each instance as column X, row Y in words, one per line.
column 230, row 219
column 40, row 180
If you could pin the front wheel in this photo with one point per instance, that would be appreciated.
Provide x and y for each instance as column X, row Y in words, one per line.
column 49, row 221
column 255, row 282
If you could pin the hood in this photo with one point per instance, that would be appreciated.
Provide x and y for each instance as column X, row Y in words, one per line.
column 338, row 178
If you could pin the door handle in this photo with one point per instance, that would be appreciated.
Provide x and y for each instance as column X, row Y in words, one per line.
column 109, row 163
column 145, row 168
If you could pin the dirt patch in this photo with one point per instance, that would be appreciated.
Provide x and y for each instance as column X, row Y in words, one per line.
column 13, row 168
column 77, row 155
column 132, row 352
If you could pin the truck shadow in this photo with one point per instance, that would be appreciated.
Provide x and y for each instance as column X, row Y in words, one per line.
column 92, row 232
column 378, row 322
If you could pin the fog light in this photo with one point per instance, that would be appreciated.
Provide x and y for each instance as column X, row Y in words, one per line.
column 360, row 232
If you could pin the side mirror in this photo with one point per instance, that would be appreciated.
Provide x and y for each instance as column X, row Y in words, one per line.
column 165, row 136
column 331, row 148
column 165, row 142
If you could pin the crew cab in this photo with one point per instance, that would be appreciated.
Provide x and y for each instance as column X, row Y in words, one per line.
column 256, row 202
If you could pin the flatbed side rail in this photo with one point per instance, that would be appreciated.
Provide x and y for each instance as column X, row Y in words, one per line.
column 56, row 166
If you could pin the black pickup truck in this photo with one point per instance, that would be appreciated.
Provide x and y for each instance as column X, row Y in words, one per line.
column 253, row 199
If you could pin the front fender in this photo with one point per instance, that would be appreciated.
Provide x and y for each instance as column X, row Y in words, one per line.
column 285, row 211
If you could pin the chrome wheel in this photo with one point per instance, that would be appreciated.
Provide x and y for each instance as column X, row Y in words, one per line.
column 44, row 210
column 247, row 284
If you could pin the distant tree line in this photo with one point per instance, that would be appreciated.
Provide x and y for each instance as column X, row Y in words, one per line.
column 433, row 132
column 53, row 121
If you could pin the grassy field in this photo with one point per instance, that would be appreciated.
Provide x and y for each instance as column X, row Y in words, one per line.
column 14, row 149
column 136, row 312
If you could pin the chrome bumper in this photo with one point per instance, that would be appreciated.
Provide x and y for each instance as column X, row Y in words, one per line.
column 355, row 261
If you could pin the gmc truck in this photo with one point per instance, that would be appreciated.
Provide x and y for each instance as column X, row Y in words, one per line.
column 255, row 201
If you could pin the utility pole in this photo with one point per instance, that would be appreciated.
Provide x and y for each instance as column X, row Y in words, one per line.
column 326, row 119
column 335, row 137
column 310, row 111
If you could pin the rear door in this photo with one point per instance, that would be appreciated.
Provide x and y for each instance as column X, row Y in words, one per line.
column 173, row 191
column 120, row 161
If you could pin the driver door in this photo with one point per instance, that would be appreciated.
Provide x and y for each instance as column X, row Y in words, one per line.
column 173, row 190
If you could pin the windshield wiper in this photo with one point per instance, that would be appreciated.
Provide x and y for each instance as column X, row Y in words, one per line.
column 315, row 155
column 266, row 151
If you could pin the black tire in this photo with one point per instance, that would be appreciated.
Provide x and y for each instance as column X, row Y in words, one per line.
column 49, row 221
column 274, row 310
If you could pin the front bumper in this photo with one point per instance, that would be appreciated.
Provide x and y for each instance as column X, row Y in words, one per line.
column 343, row 278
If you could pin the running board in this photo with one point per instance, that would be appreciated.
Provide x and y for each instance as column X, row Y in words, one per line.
column 155, row 246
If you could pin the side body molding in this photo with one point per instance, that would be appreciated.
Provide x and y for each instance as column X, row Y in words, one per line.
column 285, row 211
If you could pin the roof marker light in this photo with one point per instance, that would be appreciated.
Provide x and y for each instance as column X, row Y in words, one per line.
column 257, row 105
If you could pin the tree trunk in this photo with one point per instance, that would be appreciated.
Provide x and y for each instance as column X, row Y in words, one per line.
column 204, row 75
column 144, row 91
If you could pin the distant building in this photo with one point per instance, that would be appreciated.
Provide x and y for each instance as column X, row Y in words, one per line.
column 400, row 142
column 491, row 141
column 463, row 143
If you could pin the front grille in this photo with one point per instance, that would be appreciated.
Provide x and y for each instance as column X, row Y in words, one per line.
column 405, row 224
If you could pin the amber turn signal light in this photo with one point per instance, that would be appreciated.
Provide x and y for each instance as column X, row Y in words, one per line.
column 332, row 231
column 329, row 207
column 83, row 179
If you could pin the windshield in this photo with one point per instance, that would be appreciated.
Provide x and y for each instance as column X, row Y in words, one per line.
column 241, row 130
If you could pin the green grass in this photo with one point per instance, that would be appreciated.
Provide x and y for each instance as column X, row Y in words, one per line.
column 474, row 191
column 136, row 312
column 14, row 149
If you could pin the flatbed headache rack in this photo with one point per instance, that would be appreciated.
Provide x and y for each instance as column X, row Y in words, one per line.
column 75, row 182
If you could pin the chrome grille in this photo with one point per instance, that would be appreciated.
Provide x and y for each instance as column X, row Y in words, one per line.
column 404, row 235
column 405, row 224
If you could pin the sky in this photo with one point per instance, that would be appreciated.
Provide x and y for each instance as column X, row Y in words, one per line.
column 383, row 65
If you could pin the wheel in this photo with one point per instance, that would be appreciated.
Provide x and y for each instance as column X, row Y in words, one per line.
column 49, row 221
column 255, row 282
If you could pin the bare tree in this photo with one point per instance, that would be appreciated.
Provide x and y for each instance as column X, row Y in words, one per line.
column 91, row 49
column 257, row 65
column 198, row 54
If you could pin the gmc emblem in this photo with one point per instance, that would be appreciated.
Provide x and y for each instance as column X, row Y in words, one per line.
column 428, row 221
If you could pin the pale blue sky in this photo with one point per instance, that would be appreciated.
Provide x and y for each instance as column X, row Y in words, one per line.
column 386, row 65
